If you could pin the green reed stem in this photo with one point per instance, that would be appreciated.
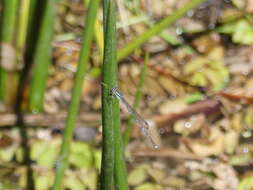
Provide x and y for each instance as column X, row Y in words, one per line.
column 42, row 57
column 76, row 94
column 108, row 103
column 157, row 28
column 113, row 165
column 7, row 36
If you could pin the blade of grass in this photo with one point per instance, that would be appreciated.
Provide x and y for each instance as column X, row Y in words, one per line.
column 113, row 164
column 76, row 94
column 138, row 96
column 7, row 37
column 132, row 20
column 156, row 29
column 42, row 57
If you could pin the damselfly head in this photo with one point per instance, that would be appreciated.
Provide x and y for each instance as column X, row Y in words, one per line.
column 114, row 92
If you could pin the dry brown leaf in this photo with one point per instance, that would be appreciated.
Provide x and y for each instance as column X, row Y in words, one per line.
column 231, row 140
column 215, row 146
column 189, row 126
column 172, row 106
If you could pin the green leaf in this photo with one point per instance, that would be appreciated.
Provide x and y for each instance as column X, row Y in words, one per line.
column 43, row 182
column 241, row 31
column 98, row 158
column 81, row 155
column 45, row 153
column 246, row 183
column 137, row 176
column 73, row 183
column 199, row 79
column 6, row 154
column 48, row 158
column 238, row 160
column 194, row 98
column 195, row 65
column 227, row 28
column 208, row 70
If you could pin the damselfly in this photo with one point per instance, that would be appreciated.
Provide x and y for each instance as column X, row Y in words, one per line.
column 143, row 124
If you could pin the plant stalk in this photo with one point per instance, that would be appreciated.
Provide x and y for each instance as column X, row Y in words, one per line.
column 113, row 164
column 8, row 80
column 76, row 94
column 42, row 57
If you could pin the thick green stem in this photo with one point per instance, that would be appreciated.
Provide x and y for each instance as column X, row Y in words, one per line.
column 157, row 28
column 113, row 164
column 108, row 103
column 76, row 94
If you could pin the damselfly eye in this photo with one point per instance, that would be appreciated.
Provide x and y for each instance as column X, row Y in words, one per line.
column 113, row 91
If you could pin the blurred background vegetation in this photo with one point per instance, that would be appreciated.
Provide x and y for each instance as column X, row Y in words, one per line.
column 186, row 66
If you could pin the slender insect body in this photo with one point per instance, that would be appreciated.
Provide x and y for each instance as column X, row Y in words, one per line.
column 143, row 124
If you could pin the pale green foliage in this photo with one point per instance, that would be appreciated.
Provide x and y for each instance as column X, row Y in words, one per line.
column 240, row 30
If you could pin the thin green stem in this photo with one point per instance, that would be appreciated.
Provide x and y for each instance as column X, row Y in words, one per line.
column 98, row 34
column 137, row 100
column 76, row 94
column 42, row 57
column 157, row 28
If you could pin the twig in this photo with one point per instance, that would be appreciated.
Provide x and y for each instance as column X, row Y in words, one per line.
column 166, row 152
column 207, row 107
column 43, row 120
